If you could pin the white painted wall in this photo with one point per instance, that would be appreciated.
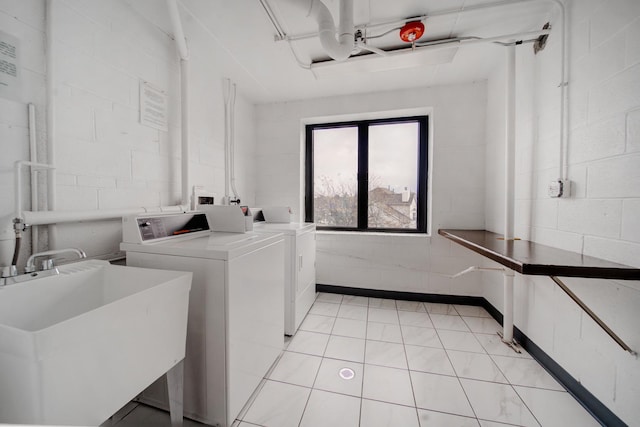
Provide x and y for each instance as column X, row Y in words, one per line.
column 105, row 157
column 414, row 263
column 602, row 217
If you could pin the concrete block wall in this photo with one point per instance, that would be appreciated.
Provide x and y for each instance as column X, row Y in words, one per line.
column 601, row 218
column 105, row 158
column 414, row 263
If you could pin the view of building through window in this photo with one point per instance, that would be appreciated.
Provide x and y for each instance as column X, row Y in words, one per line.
column 393, row 153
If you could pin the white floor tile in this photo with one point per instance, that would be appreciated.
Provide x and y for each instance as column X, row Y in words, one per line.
column 463, row 341
column 381, row 414
column 387, row 385
column 350, row 328
column 497, row 402
column 413, row 318
column 384, row 332
column 452, row 323
column 316, row 323
column 324, row 308
column 414, row 335
column 440, row 393
column 410, row 306
column 388, row 304
column 385, row 354
column 344, row 412
column 485, row 423
column 383, row 316
column 309, row 343
column 146, row 416
column 439, row 419
column 471, row 311
column 327, row 297
column 355, row 300
column 345, row 348
column 493, row 344
column 436, row 308
column 278, row 405
column 483, row 325
column 555, row 408
column 296, row 368
column 356, row 312
column 329, row 377
column 526, row 372
column 476, row 366
column 427, row 359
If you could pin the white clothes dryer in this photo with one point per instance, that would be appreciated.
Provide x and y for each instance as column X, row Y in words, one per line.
column 300, row 269
column 235, row 325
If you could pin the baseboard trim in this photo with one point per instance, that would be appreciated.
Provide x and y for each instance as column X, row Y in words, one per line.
column 596, row 408
column 406, row 296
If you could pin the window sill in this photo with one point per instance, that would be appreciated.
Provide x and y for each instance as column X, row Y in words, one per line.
column 373, row 233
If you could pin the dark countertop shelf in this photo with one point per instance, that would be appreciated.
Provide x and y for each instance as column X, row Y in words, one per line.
column 527, row 257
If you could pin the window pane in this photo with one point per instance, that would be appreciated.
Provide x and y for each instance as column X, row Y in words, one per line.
column 393, row 175
column 335, row 169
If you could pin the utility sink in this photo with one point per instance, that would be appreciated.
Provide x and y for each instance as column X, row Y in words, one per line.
column 77, row 346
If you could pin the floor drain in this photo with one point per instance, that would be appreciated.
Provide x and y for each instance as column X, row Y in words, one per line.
column 347, row 374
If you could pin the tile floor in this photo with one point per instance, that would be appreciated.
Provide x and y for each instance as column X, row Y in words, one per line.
column 412, row 364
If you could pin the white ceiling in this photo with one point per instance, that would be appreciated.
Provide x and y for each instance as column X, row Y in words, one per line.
column 266, row 70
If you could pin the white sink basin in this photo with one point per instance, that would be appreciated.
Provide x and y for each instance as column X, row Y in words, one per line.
column 76, row 347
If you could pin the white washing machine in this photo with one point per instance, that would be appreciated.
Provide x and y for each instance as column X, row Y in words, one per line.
column 300, row 269
column 235, row 326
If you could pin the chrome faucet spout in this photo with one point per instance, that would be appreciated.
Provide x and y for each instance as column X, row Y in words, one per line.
column 31, row 267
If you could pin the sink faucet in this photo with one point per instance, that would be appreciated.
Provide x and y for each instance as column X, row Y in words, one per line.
column 48, row 264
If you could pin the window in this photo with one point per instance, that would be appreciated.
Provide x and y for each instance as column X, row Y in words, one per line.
column 369, row 175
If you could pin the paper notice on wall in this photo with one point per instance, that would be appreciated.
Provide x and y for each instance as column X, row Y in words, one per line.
column 10, row 83
column 153, row 107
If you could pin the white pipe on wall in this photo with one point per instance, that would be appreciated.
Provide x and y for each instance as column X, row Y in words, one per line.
column 18, row 212
column 232, row 142
column 564, row 93
column 227, row 148
column 509, row 190
column 184, row 129
column 58, row 217
column 33, row 157
column 51, row 125
column 183, row 50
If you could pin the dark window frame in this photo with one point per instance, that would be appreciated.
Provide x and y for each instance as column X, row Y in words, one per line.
column 362, row 173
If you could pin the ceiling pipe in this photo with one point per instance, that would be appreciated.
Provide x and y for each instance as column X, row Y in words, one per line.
column 338, row 49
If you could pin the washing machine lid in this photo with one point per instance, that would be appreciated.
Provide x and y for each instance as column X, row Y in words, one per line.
column 217, row 245
column 187, row 234
column 290, row 228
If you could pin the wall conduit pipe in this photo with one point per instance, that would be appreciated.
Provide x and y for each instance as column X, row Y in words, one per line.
column 51, row 128
column 509, row 190
column 33, row 158
column 183, row 51
column 61, row 216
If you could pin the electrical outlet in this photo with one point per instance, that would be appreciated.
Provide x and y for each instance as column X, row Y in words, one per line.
column 559, row 188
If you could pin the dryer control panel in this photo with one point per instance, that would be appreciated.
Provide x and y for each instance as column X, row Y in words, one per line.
column 139, row 229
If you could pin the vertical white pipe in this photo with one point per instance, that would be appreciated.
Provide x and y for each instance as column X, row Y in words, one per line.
column 184, row 128
column 232, row 142
column 509, row 188
column 183, row 51
column 33, row 158
column 51, row 128
column 227, row 148
column 509, row 152
column 507, row 320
